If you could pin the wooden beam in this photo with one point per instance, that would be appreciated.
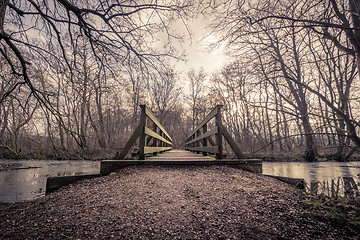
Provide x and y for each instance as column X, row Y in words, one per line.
column 153, row 134
column 129, row 143
column 210, row 149
column 205, row 135
column 207, row 119
column 231, row 142
column 253, row 165
column 219, row 141
column 156, row 149
column 155, row 142
column 142, row 139
column 156, row 121
column 204, row 141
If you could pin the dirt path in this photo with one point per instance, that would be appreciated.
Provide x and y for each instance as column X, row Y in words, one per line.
column 155, row 202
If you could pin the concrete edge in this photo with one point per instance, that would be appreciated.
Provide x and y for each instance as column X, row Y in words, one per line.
column 54, row 183
column 296, row 182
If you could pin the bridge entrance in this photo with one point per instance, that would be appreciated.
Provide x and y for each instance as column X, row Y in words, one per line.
column 204, row 146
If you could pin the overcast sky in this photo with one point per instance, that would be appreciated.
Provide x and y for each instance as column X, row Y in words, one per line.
column 197, row 48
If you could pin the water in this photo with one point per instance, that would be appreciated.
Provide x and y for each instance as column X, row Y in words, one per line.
column 324, row 177
column 26, row 179
column 314, row 171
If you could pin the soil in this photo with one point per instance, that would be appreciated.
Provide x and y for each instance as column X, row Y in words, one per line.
column 158, row 202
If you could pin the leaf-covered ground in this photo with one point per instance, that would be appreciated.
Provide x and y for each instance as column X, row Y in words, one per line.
column 158, row 202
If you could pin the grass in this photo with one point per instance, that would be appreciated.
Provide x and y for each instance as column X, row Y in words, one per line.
column 346, row 210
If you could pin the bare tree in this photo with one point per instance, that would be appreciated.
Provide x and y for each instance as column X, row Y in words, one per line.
column 277, row 31
column 196, row 97
column 50, row 30
column 336, row 73
column 86, row 52
column 164, row 93
column 336, row 21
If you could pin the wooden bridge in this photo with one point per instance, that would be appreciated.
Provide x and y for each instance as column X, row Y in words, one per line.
column 204, row 146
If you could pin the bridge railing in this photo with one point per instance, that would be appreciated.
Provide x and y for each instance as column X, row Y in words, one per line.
column 200, row 139
column 151, row 140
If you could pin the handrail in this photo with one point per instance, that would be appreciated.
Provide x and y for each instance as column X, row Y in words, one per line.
column 206, row 120
column 200, row 137
column 161, row 140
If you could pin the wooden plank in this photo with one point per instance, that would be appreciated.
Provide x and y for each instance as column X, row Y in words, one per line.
column 205, row 135
column 155, row 149
column 153, row 134
column 231, row 142
column 143, row 137
column 204, row 141
column 130, row 143
column 218, row 137
column 182, row 157
column 155, row 142
column 212, row 149
column 156, row 121
column 252, row 165
column 207, row 119
column 197, row 134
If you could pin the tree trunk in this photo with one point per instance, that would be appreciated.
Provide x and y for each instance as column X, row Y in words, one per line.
column 3, row 5
column 278, row 123
column 310, row 151
column 101, row 136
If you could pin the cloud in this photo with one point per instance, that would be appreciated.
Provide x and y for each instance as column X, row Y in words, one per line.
column 197, row 47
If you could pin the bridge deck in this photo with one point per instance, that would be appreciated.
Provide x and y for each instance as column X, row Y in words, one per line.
column 181, row 157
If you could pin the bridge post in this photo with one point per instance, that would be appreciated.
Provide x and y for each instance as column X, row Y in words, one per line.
column 204, row 143
column 155, row 141
column 162, row 143
column 197, row 143
column 218, row 124
column 142, row 139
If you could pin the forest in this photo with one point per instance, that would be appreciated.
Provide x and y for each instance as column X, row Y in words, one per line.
column 74, row 72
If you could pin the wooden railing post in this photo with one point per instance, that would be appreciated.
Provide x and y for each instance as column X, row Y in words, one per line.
column 162, row 135
column 218, row 124
column 197, row 143
column 204, row 143
column 155, row 141
column 142, row 139
column 194, row 143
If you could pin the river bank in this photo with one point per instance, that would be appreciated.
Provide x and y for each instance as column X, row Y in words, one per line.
column 140, row 202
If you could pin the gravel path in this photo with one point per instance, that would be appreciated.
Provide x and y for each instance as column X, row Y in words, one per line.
column 158, row 202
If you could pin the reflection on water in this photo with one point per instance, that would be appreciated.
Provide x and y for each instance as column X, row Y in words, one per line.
column 317, row 171
column 28, row 180
column 329, row 178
